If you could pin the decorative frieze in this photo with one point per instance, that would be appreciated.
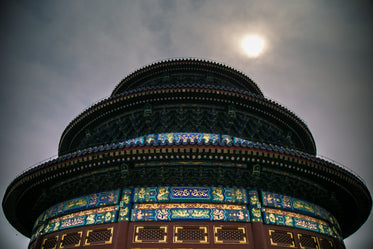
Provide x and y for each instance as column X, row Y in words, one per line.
column 125, row 205
column 285, row 202
column 106, row 198
column 187, row 203
column 296, row 220
column 181, row 212
column 190, row 194
column 78, row 219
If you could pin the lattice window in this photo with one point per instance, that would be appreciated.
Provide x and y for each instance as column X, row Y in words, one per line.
column 191, row 234
column 307, row 241
column 281, row 238
column 99, row 236
column 230, row 234
column 50, row 243
column 151, row 234
column 71, row 240
column 326, row 244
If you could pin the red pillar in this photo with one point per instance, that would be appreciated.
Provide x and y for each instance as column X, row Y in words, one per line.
column 258, row 235
column 121, row 235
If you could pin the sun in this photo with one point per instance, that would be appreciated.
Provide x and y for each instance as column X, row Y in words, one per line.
column 253, row 45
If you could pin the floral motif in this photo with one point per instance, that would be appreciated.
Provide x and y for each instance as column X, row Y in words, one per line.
column 162, row 193
column 162, row 214
column 218, row 214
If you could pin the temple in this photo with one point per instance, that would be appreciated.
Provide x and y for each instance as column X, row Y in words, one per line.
column 187, row 153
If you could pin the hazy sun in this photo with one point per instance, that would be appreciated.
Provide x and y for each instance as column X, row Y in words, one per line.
column 253, row 45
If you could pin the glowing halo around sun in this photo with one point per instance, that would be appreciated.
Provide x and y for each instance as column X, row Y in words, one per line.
column 253, row 45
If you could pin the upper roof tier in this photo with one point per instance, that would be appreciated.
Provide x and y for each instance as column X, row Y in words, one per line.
column 186, row 95
column 166, row 72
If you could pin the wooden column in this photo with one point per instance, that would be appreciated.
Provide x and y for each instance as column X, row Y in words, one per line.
column 121, row 235
column 258, row 235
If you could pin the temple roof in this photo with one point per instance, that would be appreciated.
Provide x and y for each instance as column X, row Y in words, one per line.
column 168, row 157
column 187, row 122
column 166, row 72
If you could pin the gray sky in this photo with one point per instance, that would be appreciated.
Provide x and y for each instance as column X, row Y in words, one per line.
column 59, row 57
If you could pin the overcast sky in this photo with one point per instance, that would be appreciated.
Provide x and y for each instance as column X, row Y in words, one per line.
column 59, row 57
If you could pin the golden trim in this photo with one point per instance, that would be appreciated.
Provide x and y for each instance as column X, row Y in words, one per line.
column 105, row 242
column 276, row 244
column 314, row 240
column 43, row 244
column 76, row 245
column 86, row 239
column 177, row 228
column 189, row 205
column 137, row 230
column 85, row 212
column 296, row 215
column 216, row 228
